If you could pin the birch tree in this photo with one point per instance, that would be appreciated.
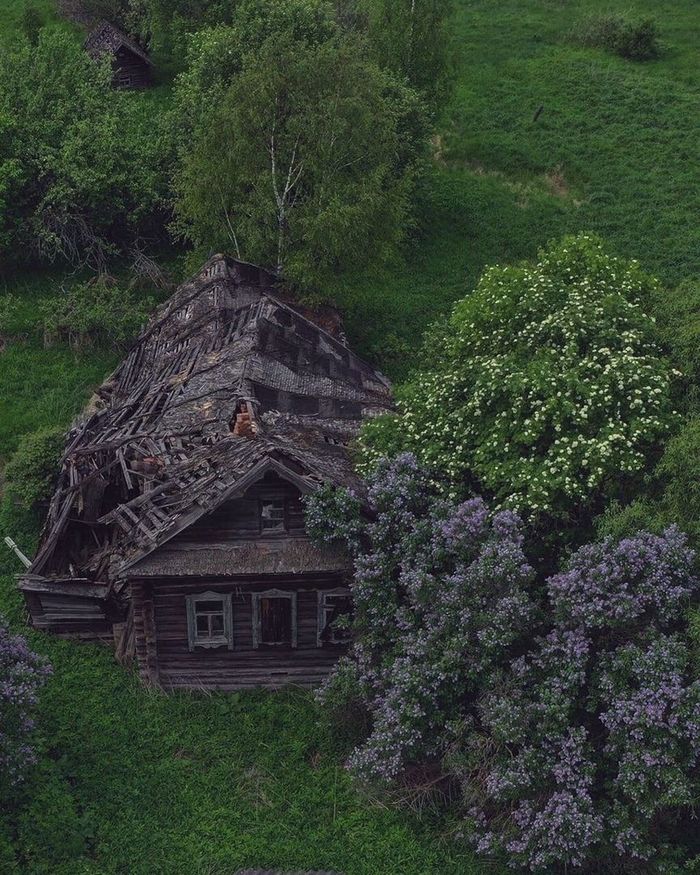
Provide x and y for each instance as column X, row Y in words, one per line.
column 306, row 164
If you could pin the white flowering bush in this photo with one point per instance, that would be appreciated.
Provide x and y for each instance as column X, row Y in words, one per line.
column 544, row 389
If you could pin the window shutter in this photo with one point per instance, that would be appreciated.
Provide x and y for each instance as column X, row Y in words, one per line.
column 228, row 621
column 191, row 622
column 257, row 617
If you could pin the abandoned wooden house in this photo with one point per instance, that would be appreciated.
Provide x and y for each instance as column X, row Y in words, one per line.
column 131, row 66
column 176, row 529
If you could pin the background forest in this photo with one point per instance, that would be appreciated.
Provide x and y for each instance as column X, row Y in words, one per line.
column 450, row 175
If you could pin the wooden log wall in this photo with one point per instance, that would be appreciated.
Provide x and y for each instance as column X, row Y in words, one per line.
column 239, row 519
column 69, row 616
column 127, row 65
column 173, row 665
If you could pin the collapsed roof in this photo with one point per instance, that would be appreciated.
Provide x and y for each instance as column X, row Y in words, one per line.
column 227, row 382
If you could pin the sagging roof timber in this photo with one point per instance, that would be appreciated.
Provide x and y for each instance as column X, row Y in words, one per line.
column 227, row 381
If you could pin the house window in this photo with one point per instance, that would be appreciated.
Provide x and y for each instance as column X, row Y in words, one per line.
column 124, row 80
column 209, row 620
column 274, row 618
column 332, row 605
column 273, row 516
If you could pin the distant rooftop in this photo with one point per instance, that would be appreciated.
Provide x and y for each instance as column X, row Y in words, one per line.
column 107, row 39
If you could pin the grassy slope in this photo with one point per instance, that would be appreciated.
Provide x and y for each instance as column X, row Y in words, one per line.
column 134, row 782
column 615, row 150
column 41, row 386
column 138, row 783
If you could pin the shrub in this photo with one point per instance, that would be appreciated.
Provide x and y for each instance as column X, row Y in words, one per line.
column 69, row 186
column 635, row 40
column 545, row 389
column 440, row 594
column 592, row 737
column 673, row 493
column 678, row 324
column 22, row 673
column 569, row 715
column 31, row 472
column 97, row 311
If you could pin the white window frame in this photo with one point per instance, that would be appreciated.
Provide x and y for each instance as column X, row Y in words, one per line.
column 321, row 616
column 257, row 618
column 225, row 640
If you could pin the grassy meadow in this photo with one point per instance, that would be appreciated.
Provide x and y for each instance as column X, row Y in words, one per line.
column 133, row 782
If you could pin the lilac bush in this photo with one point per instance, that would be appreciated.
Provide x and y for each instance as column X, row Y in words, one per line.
column 596, row 728
column 610, row 585
column 569, row 713
column 440, row 594
column 22, row 673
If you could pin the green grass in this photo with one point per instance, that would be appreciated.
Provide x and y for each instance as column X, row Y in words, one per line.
column 134, row 782
column 40, row 385
column 615, row 150
column 131, row 781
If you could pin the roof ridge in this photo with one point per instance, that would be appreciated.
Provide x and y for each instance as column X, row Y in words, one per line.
column 96, row 45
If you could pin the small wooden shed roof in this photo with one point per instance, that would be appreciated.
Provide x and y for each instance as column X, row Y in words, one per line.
column 106, row 39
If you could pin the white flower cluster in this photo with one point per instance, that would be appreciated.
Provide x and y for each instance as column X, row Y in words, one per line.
column 552, row 383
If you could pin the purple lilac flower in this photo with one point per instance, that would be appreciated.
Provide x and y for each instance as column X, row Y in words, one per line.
column 22, row 673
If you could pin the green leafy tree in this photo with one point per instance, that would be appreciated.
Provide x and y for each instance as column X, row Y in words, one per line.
column 307, row 158
column 544, row 390
column 413, row 38
column 216, row 54
column 672, row 495
column 70, row 184
column 166, row 24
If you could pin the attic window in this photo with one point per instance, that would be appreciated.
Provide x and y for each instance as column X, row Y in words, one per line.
column 209, row 620
column 124, row 80
column 332, row 605
column 273, row 517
